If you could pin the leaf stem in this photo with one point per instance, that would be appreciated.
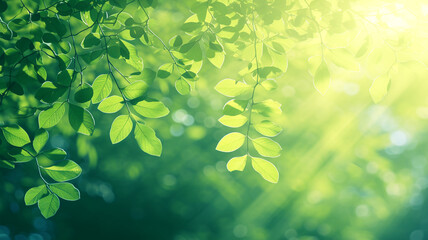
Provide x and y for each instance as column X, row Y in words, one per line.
column 111, row 72
column 250, row 108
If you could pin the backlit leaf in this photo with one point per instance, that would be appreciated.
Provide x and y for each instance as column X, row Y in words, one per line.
column 231, row 142
column 266, row 169
column 182, row 86
column 267, row 128
column 233, row 121
column 135, row 89
column 40, row 139
column 120, row 128
column 81, row 119
column 147, row 140
column 102, row 87
column 111, row 104
column 266, row 147
column 232, row 88
column 33, row 195
column 49, row 205
column 237, row 163
column 15, row 135
column 66, row 191
column 63, row 171
column 234, row 107
column 152, row 109
column 51, row 117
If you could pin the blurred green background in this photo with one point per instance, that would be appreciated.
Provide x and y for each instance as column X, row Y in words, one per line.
column 350, row 169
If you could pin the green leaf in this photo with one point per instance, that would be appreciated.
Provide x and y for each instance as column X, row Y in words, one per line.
column 135, row 90
column 24, row 44
column 231, row 142
column 81, row 120
column 64, row 9
column 165, row 70
column 49, row 205
column 233, row 121
column 136, row 32
column 51, row 117
column 66, row 191
column 50, row 157
column 266, row 147
column 102, row 87
column 7, row 164
column 216, row 58
column 17, row 89
column 84, row 94
column 379, row 88
column 267, row 108
column 21, row 155
column 148, row 75
column 176, row 41
column 64, row 77
column 134, row 59
column 114, row 50
column 63, row 171
column 111, row 104
column 267, row 128
column 234, row 107
column 40, row 139
column 154, row 109
column 33, row 195
column 190, row 26
column 147, row 140
column 189, row 75
column 16, row 135
column 49, row 92
column 322, row 78
column 118, row 3
column 90, row 41
column 182, row 86
column 269, row 84
column 49, row 38
column 232, row 88
column 120, row 128
column 266, row 169
column 237, row 163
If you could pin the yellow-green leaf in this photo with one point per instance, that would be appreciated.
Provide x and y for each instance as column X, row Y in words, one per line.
column 231, row 142
column 266, row 147
column 233, row 121
column 237, row 163
column 63, row 171
column 147, row 140
column 15, row 135
column 34, row 194
column 51, row 117
column 232, row 88
column 111, row 104
column 102, row 87
column 151, row 109
column 49, row 205
column 66, row 191
column 266, row 169
column 120, row 128
column 267, row 128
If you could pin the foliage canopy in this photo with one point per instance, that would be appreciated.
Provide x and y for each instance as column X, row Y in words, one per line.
column 66, row 59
